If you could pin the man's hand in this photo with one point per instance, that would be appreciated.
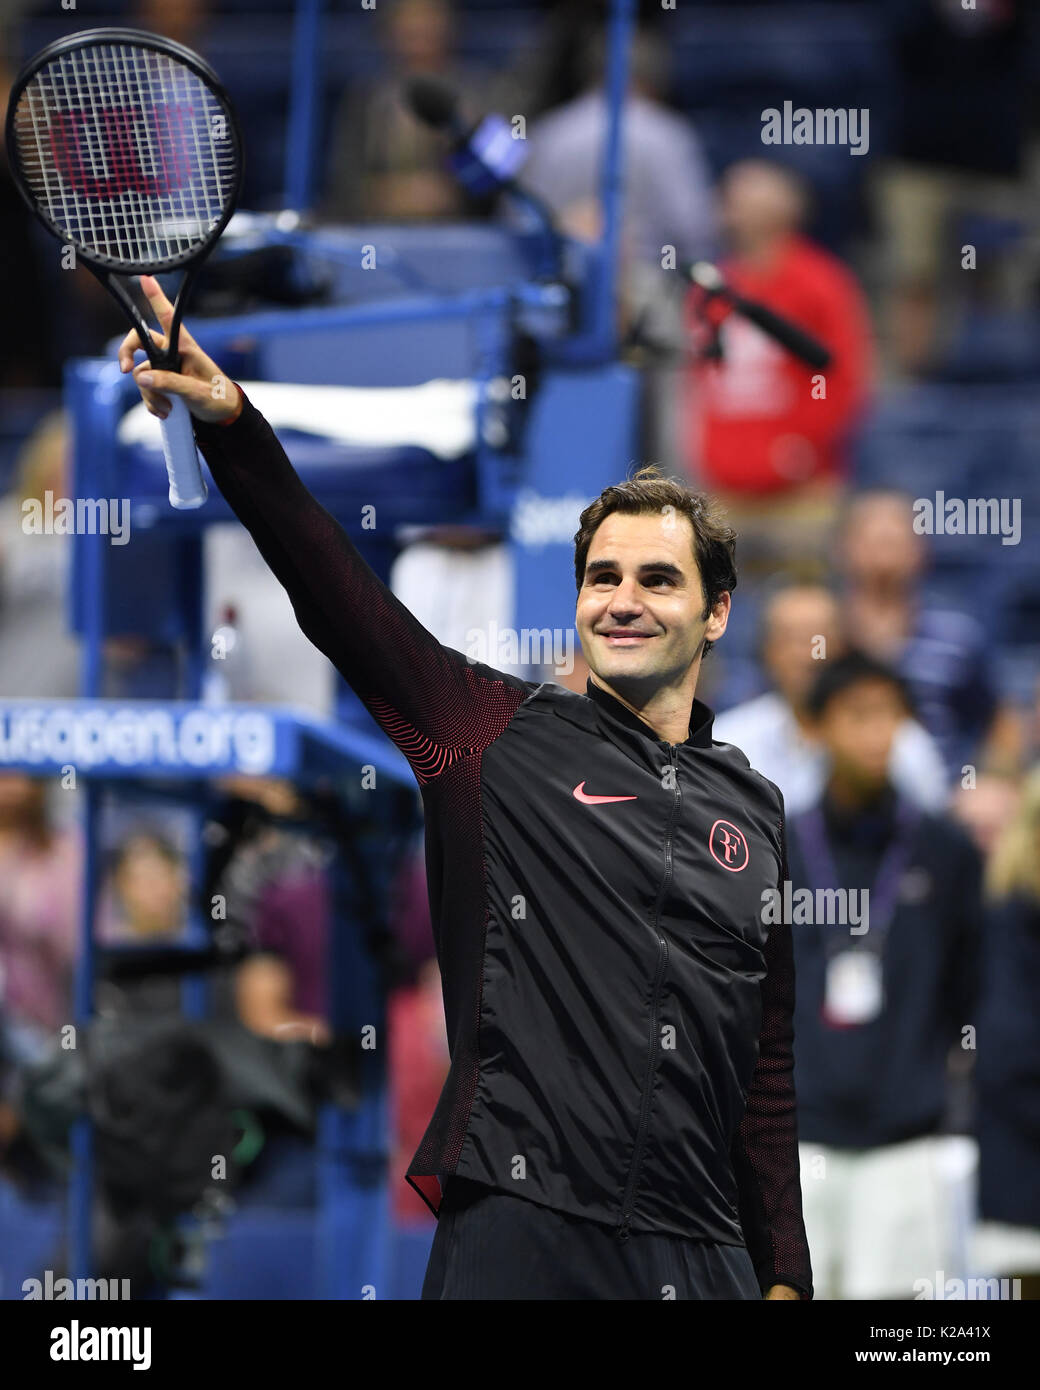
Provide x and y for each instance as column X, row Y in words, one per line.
column 206, row 391
column 783, row 1291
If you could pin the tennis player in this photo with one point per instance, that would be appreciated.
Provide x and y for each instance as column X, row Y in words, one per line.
column 619, row 1118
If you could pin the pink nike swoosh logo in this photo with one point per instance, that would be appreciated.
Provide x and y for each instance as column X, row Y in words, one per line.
column 582, row 795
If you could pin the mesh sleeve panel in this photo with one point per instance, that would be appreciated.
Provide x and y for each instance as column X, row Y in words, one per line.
column 765, row 1157
column 435, row 705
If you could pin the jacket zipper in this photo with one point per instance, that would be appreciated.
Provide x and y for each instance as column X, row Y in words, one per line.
column 662, row 960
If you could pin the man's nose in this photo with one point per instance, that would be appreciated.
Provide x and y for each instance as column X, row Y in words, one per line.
column 625, row 598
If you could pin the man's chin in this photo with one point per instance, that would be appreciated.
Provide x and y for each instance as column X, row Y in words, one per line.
column 624, row 664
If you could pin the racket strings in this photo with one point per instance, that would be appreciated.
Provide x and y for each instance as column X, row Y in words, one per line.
column 127, row 152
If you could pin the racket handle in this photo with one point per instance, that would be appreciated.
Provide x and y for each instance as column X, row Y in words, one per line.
column 187, row 485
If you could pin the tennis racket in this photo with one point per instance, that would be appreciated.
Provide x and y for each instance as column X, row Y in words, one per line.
column 125, row 146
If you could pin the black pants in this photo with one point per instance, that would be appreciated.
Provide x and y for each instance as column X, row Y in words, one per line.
column 491, row 1245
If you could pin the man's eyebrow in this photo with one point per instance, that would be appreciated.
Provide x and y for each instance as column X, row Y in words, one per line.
column 652, row 566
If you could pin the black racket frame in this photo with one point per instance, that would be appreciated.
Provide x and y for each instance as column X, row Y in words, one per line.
column 168, row 358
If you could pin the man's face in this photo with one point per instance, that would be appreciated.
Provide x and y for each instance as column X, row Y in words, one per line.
column 857, row 728
column 879, row 544
column 641, row 604
column 151, row 890
column 792, row 650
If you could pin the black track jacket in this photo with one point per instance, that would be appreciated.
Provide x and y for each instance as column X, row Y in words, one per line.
column 619, row 1016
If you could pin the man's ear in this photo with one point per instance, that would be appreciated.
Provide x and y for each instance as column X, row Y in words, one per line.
column 719, row 619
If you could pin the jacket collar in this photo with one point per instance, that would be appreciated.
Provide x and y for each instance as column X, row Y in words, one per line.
column 701, row 717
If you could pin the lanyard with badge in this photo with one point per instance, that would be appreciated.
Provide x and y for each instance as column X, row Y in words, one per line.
column 853, row 990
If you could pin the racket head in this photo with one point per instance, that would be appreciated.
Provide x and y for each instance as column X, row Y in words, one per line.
column 126, row 146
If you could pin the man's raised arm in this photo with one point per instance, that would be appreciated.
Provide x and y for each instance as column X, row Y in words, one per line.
column 433, row 703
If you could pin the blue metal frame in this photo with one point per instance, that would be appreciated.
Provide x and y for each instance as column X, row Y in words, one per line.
column 619, row 40
column 597, row 338
column 301, row 141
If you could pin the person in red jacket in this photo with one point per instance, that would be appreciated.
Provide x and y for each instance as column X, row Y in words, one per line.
column 764, row 431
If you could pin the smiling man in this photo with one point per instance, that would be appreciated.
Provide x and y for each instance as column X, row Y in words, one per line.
column 618, row 1121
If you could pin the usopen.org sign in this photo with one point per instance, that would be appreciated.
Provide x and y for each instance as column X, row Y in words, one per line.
column 143, row 737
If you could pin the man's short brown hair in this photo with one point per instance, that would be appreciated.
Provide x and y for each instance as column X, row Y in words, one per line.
column 648, row 493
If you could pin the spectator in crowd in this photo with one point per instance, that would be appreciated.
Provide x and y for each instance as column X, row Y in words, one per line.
column 886, row 985
column 384, row 161
column 149, row 883
column 1008, row 1070
column 144, row 903
column 276, row 887
column 667, row 199
column 281, row 992
column 984, row 807
column 764, row 431
column 40, row 868
column 801, row 630
column 667, row 211
column 39, row 656
column 943, row 654
column 281, row 986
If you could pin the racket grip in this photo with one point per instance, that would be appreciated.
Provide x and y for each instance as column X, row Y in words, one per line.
column 187, row 485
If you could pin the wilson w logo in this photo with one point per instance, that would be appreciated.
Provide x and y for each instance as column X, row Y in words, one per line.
column 114, row 140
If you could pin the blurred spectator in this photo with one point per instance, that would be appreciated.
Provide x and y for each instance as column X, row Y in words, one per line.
column 282, row 992
column 878, row 1011
column 667, row 211
column 144, row 903
column 800, row 630
column 281, row 987
column 40, row 868
column 943, row 654
column 986, row 808
column 668, row 198
column 148, row 891
column 1008, row 1069
column 39, row 656
column 273, row 881
column 958, row 121
column 764, row 431
column 384, row 161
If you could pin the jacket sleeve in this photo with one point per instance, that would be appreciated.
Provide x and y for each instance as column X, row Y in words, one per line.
column 434, row 703
column 765, row 1155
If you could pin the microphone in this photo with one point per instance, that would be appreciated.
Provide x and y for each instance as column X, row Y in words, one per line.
column 803, row 345
column 435, row 103
column 484, row 156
